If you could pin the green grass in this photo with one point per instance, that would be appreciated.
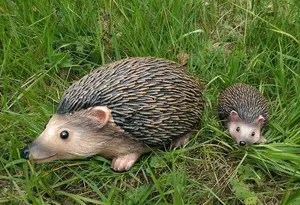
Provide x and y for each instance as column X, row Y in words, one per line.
column 47, row 45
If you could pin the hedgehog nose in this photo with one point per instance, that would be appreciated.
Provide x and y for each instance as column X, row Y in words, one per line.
column 242, row 143
column 25, row 153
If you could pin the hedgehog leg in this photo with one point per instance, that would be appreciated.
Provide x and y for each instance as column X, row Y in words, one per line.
column 181, row 141
column 124, row 162
column 262, row 139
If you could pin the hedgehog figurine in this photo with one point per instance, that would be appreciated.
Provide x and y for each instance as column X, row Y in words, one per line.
column 121, row 111
column 245, row 112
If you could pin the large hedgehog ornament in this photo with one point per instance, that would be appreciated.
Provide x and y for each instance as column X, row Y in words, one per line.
column 121, row 111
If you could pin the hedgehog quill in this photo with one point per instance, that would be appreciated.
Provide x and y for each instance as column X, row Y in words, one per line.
column 245, row 112
column 121, row 111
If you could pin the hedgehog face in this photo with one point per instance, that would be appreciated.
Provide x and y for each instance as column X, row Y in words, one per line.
column 244, row 133
column 71, row 136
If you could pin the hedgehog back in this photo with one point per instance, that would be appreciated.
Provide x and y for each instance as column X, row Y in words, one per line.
column 246, row 100
column 153, row 100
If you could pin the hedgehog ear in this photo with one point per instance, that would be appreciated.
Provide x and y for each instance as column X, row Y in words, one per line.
column 101, row 113
column 234, row 116
column 260, row 120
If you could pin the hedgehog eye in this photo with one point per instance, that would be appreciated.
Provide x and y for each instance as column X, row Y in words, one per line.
column 238, row 129
column 64, row 134
column 253, row 134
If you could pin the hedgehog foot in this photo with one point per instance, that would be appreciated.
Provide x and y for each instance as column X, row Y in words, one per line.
column 181, row 141
column 124, row 162
column 262, row 139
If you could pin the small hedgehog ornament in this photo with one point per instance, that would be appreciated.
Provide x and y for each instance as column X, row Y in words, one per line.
column 121, row 111
column 245, row 112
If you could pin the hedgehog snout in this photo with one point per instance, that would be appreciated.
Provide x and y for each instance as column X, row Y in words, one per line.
column 242, row 143
column 25, row 153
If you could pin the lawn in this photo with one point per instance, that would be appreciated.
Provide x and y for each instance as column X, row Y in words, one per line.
column 47, row 45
